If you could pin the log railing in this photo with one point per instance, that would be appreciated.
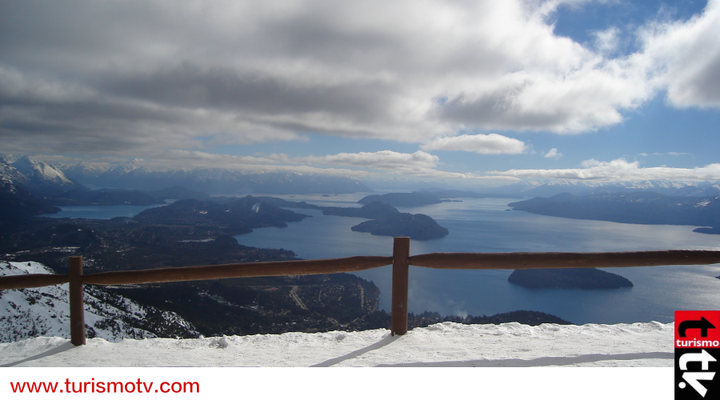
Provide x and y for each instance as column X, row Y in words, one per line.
column 400, row 260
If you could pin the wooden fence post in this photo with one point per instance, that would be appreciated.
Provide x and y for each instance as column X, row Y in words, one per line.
column 401, row 252
column 77, row 311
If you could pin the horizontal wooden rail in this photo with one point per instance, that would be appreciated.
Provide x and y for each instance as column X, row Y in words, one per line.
column 564, row 260
column 244, row 270
column 205, row 272
column 31, row 281
column 400, row 261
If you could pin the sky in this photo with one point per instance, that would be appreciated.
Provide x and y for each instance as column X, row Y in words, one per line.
column 471, row 92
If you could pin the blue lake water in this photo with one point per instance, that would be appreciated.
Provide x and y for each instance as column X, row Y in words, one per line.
column 484, row 225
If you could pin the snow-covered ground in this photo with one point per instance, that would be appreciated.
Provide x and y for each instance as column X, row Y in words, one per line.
column 446, row 344
column 501, row 349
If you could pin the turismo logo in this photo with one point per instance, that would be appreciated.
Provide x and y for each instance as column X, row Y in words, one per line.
column 697, row 351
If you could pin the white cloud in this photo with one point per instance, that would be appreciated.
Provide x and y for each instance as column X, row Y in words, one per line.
column 358, row 165
column 669, row 153
column 482, row 144
column 44, row 114
column 684, row 58
column 386, row 162
column 184, row 160
column 553, row 153
column 607, row 41
column 617, row 170
column 385, row 159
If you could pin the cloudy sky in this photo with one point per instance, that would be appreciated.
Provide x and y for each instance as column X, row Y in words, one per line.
column 458, row 90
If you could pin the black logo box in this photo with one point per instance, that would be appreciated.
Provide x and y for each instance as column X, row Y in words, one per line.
column 683, row 389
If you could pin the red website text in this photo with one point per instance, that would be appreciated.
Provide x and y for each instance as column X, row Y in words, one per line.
column 94, row 386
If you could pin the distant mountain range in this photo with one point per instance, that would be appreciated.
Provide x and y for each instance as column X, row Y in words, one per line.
column 216, row 181
column 41, row 178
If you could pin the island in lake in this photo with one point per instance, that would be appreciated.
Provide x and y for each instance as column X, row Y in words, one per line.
column 415, row 199
column 386, row 220
column 568, row 278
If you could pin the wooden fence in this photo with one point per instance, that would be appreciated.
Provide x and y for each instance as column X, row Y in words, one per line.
column 400, row 260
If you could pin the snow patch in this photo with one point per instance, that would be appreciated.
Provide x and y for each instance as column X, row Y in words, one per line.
column 45, row 311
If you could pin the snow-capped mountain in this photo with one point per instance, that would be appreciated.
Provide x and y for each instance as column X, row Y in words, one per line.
column 34, row 175
column 83, row 171
column 10, row 177
column 44, row 311
column 39, row 171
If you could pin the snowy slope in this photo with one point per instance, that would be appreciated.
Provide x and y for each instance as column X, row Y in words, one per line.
column 41, row 172
column 44, row 311
column 445, row 344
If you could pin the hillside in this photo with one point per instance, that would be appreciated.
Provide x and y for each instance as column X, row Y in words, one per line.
column 18, row 205
column 632, row 208
column 44, row 311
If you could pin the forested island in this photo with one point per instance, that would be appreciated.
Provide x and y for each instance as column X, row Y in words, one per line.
column 568, row 278
column 386, row 220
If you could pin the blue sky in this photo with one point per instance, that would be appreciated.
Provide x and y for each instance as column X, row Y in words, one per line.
column 464, row 92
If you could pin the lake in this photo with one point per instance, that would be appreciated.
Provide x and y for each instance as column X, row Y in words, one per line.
column 485, row 225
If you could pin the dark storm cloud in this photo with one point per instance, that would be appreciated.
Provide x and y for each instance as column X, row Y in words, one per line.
column 231, row 90
column 499, row 108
